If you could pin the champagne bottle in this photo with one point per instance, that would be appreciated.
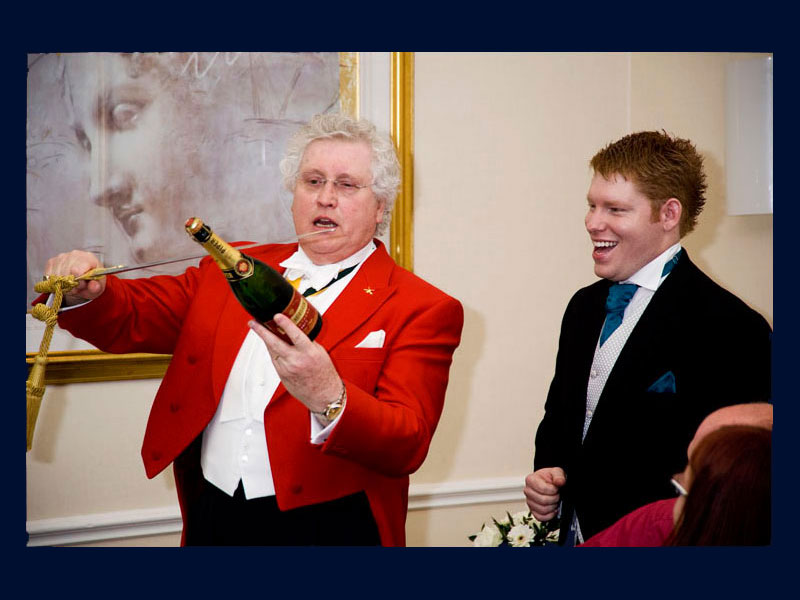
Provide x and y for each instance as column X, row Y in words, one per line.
column 260, row 289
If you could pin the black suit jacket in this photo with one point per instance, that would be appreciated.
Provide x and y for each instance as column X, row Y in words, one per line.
column 717, row 348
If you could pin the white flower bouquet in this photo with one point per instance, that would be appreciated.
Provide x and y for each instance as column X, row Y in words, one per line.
column 520, row 530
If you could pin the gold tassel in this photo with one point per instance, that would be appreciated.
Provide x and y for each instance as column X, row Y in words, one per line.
column 35, row 384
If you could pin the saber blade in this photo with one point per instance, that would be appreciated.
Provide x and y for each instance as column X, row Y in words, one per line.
column 103, row 271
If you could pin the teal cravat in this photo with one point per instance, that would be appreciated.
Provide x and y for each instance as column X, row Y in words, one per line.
column 671, row 263
column 619, row 295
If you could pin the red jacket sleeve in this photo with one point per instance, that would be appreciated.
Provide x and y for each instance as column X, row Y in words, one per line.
column 145, row 317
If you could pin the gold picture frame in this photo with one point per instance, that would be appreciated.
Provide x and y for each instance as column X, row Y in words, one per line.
column 81, row 366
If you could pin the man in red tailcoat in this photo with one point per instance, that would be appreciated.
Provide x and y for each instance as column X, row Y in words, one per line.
column 309, row 442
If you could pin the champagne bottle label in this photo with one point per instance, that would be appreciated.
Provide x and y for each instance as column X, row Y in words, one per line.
column 241, row 270
column 301, row 314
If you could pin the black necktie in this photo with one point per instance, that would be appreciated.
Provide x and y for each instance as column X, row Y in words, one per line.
column 342, row 273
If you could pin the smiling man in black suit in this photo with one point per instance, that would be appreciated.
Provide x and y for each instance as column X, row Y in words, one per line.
column 646, row 352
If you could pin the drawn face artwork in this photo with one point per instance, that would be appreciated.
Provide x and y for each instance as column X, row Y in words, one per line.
column 122, row 149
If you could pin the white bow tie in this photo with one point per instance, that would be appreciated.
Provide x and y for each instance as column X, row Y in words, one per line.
column 299, row 265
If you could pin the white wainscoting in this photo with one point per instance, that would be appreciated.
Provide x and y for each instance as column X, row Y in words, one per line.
column 157, row 521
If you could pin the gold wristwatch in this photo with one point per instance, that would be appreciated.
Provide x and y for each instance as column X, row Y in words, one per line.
column 334, row 408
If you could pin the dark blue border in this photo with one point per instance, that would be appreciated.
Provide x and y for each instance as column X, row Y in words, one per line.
column 96, row 572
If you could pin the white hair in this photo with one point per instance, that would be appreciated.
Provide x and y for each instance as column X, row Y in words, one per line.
column 385, row 166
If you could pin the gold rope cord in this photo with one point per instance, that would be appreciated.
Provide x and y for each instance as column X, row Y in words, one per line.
column 49, row 314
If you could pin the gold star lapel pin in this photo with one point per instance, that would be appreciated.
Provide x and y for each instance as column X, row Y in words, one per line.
column 369, row 291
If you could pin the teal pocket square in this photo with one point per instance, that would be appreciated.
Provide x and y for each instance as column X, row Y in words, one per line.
column 664, row 384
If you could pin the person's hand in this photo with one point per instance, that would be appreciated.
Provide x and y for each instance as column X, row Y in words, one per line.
column 541, row 492
column 77, row 263
column 304, row 367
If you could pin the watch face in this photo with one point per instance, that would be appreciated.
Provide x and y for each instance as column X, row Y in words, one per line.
column 333, row 411
column 335, row 407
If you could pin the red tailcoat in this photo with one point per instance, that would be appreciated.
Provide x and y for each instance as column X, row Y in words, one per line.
column 395, row 394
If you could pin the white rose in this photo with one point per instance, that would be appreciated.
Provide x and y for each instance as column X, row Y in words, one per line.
column 520, row 536
column 488, row 537
column 520, row 517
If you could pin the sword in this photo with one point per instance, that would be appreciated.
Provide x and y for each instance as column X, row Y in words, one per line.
column 103, row 271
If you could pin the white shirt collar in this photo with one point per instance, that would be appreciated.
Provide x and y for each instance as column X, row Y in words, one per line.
column 300, row 265
column 649, row 276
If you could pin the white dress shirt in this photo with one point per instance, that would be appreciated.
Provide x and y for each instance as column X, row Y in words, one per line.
column 234, row 444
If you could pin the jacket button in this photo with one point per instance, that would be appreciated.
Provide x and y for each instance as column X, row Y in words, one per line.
column 174, row 407
column 296, row 489
column 156, row 456
column 191, row 359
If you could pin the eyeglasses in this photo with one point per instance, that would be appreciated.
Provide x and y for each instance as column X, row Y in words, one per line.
column 314, row 184
column 681, row 491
